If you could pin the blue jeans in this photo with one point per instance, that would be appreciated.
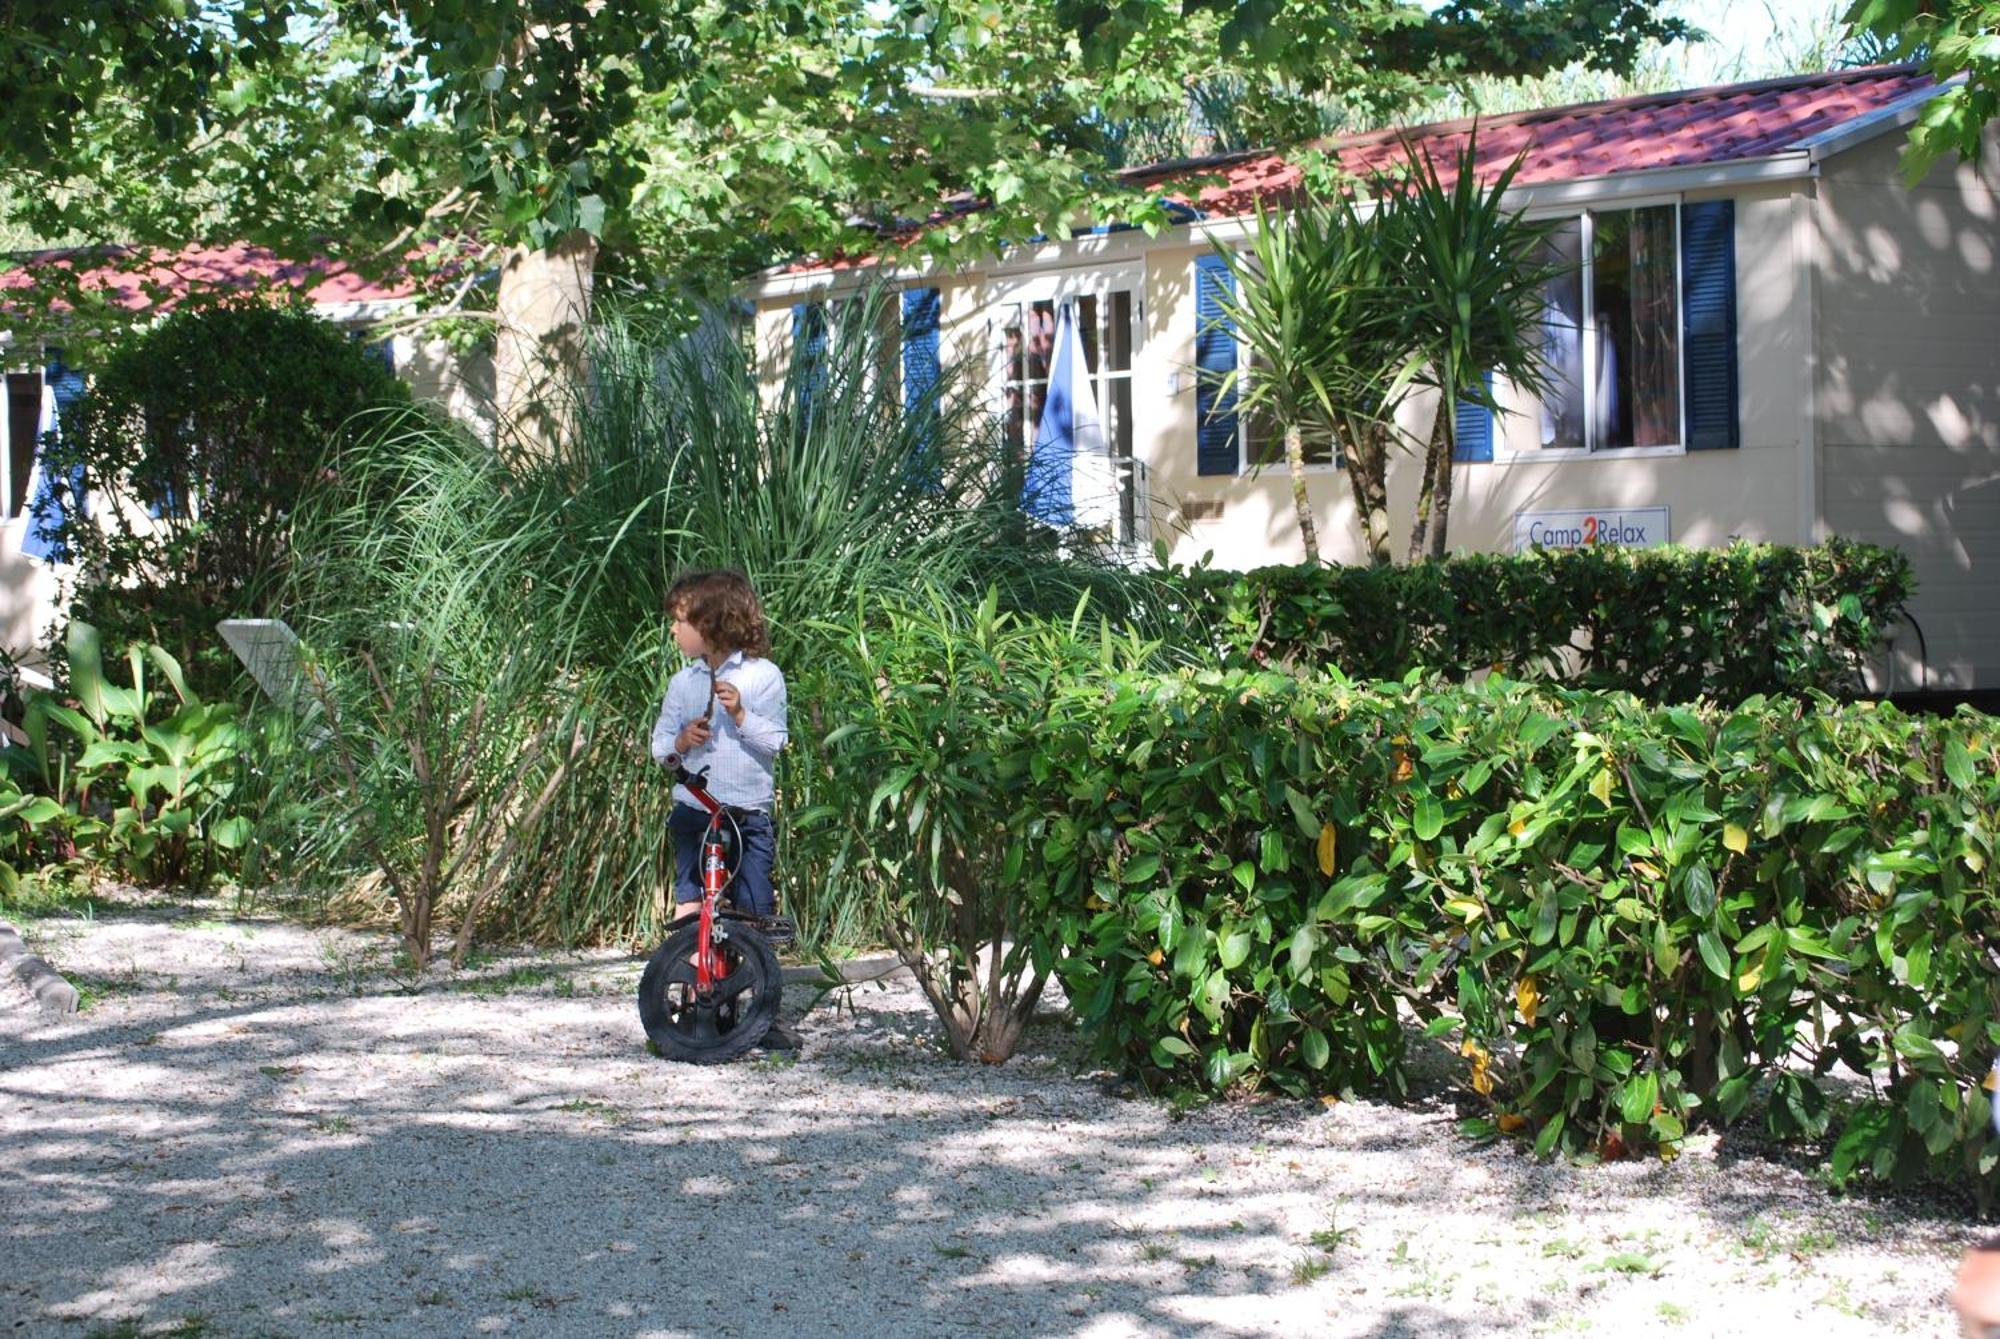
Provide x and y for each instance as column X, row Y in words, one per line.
column 750, row 890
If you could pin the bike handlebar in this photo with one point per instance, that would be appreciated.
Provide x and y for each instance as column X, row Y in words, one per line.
column 696, row 782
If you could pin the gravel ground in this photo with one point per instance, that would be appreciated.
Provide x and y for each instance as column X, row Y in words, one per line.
column 254, row 1128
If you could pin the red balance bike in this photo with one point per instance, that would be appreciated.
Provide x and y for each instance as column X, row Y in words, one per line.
column 712, row 990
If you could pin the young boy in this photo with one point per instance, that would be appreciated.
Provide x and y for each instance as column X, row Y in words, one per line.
column 724, row 710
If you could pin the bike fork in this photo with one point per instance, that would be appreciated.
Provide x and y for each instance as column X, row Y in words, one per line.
column 714, row 874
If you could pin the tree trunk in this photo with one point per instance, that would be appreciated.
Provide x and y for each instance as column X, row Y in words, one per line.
column 1441, row 505
column 1295, row 460
column 538, row 355
column 1367, row 473
column 1437, row 455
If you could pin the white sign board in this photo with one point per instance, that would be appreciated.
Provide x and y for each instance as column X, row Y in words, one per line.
column 1623, row 527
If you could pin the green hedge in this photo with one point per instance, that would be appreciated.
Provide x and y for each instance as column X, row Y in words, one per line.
column 1667, row 624
column 1623, row 918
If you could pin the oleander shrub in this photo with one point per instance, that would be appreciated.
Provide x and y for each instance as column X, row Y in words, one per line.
column 1669, row 625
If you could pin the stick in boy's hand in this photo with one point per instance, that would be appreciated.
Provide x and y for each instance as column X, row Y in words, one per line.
column 693, row 735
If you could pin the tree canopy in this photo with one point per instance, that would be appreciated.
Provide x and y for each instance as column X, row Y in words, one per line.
column 688, row 137
column 1954, row 40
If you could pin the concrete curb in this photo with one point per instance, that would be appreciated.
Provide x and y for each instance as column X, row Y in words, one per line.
column 45, row 983
column 872, row 967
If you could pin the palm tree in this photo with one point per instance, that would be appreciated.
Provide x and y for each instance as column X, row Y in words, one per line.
column 1472, row 283
column 1327, row 356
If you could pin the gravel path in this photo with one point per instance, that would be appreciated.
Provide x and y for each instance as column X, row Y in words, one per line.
column 254, row 1129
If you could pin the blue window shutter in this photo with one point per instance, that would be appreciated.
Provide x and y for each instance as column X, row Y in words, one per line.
column 1472, row 427
column 921, row 308
column 48, row 508
column 808, row 356
column 1215, row 359
column 1708, row 324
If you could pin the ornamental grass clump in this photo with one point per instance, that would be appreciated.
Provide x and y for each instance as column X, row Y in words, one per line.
column 526, row 586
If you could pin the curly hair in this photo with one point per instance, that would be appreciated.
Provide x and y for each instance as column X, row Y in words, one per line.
column 723, row 609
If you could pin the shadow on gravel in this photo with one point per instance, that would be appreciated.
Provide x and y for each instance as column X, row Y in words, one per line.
column 446, row 1163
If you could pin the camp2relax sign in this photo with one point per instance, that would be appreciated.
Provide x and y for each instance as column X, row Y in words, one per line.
column 1625, row 527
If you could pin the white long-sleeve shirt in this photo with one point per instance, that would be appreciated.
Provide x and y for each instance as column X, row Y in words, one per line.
column 739, row 758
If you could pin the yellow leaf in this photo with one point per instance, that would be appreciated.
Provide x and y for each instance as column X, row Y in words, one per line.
column 1328, row 1100
column 1991, row 1082
column 1482, row 1082
column 1748, row 981
column 1527, row 995
column 1669, row 1150
column 1600, row 785
column 1474, row 1049
column 1517, row 827
column 1156, row 957
column 1735, row 838
column 1512, row 1122
column 1465, row 909
column 1646, row 869
column 1326, row 844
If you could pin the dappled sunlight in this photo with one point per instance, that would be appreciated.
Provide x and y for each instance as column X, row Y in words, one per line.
column 367, row 1160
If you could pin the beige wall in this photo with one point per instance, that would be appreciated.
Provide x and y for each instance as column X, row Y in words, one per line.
column 27, row 594
column 1908, row 395
column 1753, row 492
column 28, row 588
column 462, row 383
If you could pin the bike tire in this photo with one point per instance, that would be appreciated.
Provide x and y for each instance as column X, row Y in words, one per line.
column 738, row 1012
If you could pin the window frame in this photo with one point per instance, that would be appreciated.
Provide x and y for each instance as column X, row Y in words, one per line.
column 1246, row 467
column 1093, row 281
column 1503, row 451
column 9, row 514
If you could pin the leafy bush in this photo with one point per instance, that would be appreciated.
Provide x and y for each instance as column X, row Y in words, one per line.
column 1670, row 625
column 196, row 441
column 131, row 780
column 1628, row 916
column 940, row 706
column 22, row 818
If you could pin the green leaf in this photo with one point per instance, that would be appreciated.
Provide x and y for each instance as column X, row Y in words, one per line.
column 1429, row 818
column 1302, row 813
column 1713, row 954
column 1234, row 949
column 1313, row 1048
column 38, row 810
column 1305, row 942
column 231, row 833
column 1642, row 1093
column 1245, row 874
column 1141, row 869
column 1958, row 764
column 1545, row 1139
column 86, row 669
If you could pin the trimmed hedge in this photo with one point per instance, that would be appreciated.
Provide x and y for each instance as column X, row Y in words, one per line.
column 1625, row 918
column 1667, row 624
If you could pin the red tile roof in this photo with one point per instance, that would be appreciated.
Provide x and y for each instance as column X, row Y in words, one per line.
column 137, row 281
column 1720, row 124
